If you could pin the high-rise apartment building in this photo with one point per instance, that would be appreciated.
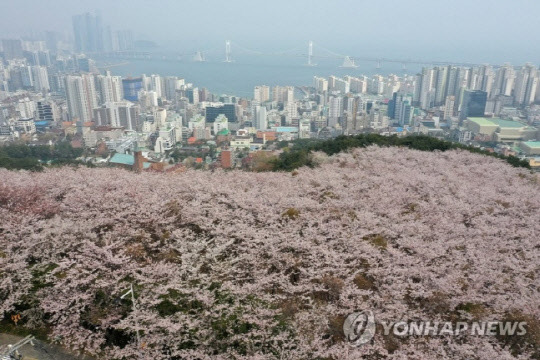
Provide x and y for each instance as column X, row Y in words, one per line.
column 358, row 84
column 291, row 109
column 12, row 49
column 335, row 110
column 121, row 40
column 449, row 106
column 261, row 94
column 193, row 95
column 440, row 85
column 289, row 94
column 338, row 84
column 109, row 88
column 88, row 32
column 172, row 83
column 377, row 84
column 118, row 114
column 277, row 94
column 399, row 107
column 417, row 89
column 260, row 122
column 81, row 96
column 486, row 76
column 157, row 85
column 320, row 84
column 40, row 77
column 526, row 84
column 426, row 88
column 406, row 112
column 504, row 81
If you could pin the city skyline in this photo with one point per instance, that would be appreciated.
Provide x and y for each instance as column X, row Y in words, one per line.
column 417, row 29
column 269, row 180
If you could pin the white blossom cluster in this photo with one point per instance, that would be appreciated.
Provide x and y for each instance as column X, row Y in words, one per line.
column 240, row 265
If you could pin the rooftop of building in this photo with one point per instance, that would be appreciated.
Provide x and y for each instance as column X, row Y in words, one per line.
column 401, row 129
column 126, row 159
column 42, row 123
column 532, row 144
column 285, row 129
column 482, row 121
column 107, row 128
column 510, row 124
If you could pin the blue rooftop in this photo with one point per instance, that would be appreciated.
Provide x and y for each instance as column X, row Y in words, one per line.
column 126, row 159
column 286, row 129
column 532, row 144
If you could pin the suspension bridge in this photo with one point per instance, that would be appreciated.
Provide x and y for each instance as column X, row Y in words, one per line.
column 314, row 52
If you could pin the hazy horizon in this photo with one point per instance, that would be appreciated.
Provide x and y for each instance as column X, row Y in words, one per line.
column 461, row 31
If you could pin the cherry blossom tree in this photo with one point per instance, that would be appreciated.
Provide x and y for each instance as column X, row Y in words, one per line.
column 267, row 265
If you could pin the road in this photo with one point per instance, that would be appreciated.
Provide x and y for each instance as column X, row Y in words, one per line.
column 40, row 350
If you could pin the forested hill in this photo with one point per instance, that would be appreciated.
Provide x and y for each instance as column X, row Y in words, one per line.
column 299, row 154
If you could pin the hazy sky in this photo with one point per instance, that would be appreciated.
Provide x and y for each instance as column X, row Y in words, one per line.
column 458, row 30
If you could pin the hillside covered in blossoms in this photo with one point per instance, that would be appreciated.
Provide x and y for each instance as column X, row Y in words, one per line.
column 240, row 265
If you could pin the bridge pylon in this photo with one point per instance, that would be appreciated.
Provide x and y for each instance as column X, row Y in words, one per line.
column 228, row 57
column 310, row 55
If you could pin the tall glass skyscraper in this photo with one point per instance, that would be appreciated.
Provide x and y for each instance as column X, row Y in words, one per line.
column 212, row 112
column 474, row 104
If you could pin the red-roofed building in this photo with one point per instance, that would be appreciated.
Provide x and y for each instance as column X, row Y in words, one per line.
column 267, row 135
column 226, row 159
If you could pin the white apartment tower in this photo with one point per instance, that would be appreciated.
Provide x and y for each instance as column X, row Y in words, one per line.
column 426, row 88
column 156, row 84
column 289, row 94
column 526, row 84
column 504, row 80
column 486, row 77
column 81, row 96
column 109, row 88
column 449, row 107
column 261, row 94
column 260, row 118
column 440, row 85
column 320, row 84
column 41, row 78
column 335, row 110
